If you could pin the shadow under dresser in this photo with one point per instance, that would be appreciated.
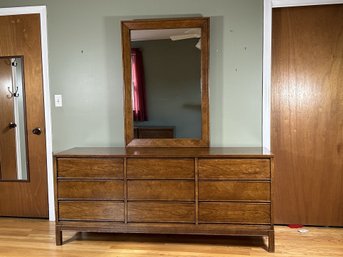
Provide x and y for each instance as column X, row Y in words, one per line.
column 204, row 191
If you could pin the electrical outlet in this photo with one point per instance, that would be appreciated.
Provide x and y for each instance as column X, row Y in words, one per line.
column 58, row 100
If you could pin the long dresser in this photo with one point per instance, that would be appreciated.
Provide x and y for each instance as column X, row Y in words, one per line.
column 207, row 191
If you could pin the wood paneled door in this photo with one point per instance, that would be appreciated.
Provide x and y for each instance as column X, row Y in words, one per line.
column 23, row 169
column 307, row 114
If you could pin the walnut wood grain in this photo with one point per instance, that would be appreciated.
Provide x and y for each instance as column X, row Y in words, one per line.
column 196, row 189
column 161, row 212
column 158, row 168
column 89, row 167
column 158, row 152
column 88, row 190
column 56, row 189
column 91, row 210
column 225, row 168
column 126, row 27
column 167, row 228
column 234, row 191
column 307, row 114
column 21, row 36
column 244, row 213
column 125, row 190
column 161, row 190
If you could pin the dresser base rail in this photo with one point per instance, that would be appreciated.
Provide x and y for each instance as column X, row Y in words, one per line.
column 154, row 228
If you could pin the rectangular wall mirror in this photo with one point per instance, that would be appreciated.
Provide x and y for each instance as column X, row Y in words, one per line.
column 166, row 82
column 13, row 150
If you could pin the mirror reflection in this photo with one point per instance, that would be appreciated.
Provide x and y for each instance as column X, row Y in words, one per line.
column 13, row 162
column 166, row 83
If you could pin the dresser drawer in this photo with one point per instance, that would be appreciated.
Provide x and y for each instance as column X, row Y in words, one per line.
column 88, row 190
column 90, row 167
column 219, row 212
column 161, row 212
column 159, row 168
column 161, row 190
column 234, row 168
column 233, row 190
column 92, row 211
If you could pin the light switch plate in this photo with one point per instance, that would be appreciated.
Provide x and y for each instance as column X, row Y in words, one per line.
column 58, row 100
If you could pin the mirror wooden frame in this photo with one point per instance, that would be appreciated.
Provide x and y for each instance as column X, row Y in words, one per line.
column 126, row 28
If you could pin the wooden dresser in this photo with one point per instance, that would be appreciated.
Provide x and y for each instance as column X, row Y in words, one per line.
column 207, row 191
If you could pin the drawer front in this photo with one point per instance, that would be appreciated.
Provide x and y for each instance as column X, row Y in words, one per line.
column 234, row 168
column 90, row 167
column 160, row 168
column 244, row 213
column 161, row 212
column 233, row 190
column 92, row 211
column 88, row 190
column 161, row 190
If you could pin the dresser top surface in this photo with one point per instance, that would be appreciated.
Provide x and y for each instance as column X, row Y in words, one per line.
column 234, row 152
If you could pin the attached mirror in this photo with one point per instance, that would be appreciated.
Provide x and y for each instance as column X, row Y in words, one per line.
column 13, row 151
column 166, row 82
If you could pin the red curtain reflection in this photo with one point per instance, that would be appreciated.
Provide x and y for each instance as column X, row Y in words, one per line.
column 138, row 87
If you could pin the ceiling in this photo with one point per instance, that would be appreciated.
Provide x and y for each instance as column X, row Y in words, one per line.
column 157, row 34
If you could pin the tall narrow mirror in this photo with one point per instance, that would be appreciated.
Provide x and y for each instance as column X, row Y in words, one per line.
column 13, row 161
column 165, row 73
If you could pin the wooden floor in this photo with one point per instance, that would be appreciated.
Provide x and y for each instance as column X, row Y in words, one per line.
column 26, row 238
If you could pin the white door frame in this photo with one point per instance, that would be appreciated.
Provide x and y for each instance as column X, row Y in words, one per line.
column 267, row 56
column 41, row 10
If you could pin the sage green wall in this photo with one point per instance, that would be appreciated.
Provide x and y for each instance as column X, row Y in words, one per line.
column 86, row 68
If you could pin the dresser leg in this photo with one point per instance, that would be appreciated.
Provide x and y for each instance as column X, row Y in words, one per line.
column 59, row 238
column 271, row 242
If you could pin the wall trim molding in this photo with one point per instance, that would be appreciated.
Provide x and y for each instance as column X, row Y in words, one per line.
column 268, row 6
column 290, row 3
column 41, row 10
column 267, row 64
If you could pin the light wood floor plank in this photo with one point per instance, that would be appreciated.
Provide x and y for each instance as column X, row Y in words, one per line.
column 35, row 238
